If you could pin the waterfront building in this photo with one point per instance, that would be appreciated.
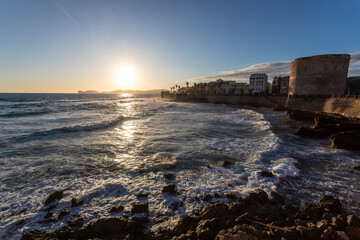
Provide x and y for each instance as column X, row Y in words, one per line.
column 322, row 75
column 241, row 89
column 280, row 85
column 353, row 85
column 228, row 87
column 258, row 83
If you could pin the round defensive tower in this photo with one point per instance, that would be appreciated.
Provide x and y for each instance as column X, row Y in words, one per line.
column 319, row 75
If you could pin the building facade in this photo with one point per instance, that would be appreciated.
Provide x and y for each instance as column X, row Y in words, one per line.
column 258, row 83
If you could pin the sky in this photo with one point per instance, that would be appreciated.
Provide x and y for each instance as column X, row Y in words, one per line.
column 66, row 46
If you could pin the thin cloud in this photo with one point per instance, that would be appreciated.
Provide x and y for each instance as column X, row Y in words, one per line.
column 272, row 69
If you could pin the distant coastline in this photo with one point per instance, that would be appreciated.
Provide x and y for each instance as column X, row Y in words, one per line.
column 152, row 91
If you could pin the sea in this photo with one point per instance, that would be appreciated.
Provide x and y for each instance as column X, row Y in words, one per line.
column 106, row 149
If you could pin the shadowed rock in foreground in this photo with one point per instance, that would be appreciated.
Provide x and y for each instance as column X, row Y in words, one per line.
column 254, row 217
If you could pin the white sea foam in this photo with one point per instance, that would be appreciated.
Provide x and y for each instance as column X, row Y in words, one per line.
column 286, row 168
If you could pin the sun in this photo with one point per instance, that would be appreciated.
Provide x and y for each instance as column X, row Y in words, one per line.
column 126, row 77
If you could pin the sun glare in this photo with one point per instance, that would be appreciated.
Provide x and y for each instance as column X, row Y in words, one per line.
column 126, row 77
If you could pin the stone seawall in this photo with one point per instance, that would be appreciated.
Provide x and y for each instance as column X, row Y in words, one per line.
column 348, row 107
column 256, row 101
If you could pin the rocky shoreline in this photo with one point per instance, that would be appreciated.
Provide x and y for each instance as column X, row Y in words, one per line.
column 344, row 133
column 256, row 216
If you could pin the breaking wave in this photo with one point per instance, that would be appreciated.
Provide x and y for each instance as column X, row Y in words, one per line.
column 93, row 126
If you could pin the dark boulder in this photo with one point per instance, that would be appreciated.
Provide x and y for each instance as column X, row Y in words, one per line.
column 142, row 195
column 63, row 213
column 170, row 188
column 77, row 223
column 266, row 174
column 140, row 208
column 356, row 167
column 226, row 164
column 313, row 132
column 76, row 202
column 259, row 196
column 277, row 197
column 116, row 209
column 213, row 210
column 353, row 221
column 37, row 234
column 48, row 215
column 331, row 203
column 169, row 176
column 54, row 196
column 105, row 227
column 346, row 140
column 206, row 197
column 205, row 234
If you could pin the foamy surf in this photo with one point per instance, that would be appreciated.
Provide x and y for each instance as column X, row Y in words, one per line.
column 93, row 126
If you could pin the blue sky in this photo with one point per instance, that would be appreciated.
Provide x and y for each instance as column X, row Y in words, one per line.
column 65, row 45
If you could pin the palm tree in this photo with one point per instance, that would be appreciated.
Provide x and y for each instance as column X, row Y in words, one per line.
column 187, row 84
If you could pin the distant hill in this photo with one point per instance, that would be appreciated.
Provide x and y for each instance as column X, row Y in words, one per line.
column 153, row 91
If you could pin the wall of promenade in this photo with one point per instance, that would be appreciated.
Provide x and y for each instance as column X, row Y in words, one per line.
column 339, row 105
column 243, row 100
column 344, row 106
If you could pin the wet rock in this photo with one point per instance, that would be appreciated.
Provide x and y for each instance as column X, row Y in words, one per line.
column 189, row 235
column 266, row 174
column 63, row 213
column 277, row 197
column 341, row 235
column 353, row 233
column 308, row 233
column 142, row 195
column 170, row 188
column 331, row 203
column 107, row 227
column 259, row 196
column 356, row 167
column 231, row 234
column 57, row 195
column 236, row 207
column 231, row 196
column 76, row 202
column 48, row 215
column 243, row 219
column 353, row 221
column 322, row 225
column 169, row 176
column 65, row 233
column 312, row 132
column 212, row 224
column 140, row 208
column 51, row 207
column 206, row 197
column 184, row 224
column 225, row 164
column 205, row 234
column 77, row 223
column 338, row 223
column 217, row 195
column 21, row 221
column 213, row 210
column 328, row 234
column 37, row 234
column 346, row 140
column 116, row 209
column 310, row 210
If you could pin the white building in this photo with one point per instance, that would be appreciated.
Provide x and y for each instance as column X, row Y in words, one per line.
column 258, row 83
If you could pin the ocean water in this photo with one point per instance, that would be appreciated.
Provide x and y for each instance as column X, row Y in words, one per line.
column 106, row 149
